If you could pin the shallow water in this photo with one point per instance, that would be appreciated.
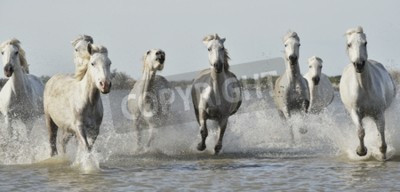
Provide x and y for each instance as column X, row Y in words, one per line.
column 258, row 154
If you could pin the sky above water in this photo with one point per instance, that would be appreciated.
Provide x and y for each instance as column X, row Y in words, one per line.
column 253, row 30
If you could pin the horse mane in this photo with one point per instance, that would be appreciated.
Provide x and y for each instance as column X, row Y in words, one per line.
column 226, row 55
column 311, row 59
column 358, row 29
column 22, row 58
column 82, row 38
column 291, row 34
column 145, row 67
column 81, row 71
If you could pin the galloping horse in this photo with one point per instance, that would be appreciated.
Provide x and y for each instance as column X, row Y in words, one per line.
column 74, row 104
column 148, row 99
column 22, row 95
column 216, row 92
column 321, row 90
column 291, row 89
column 366, row 88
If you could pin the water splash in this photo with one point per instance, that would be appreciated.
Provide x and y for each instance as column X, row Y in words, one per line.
column 251, row 131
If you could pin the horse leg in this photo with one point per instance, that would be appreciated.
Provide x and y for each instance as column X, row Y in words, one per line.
column 81, row 136
column 380, row 124
column 8, row 121
column 138, row 133
column 306, row 106
column 151, row 134
column 222, row 126
column 52, row 127
column 361, row 150
column 29, row 126
column 65, row 139
column 203, row 131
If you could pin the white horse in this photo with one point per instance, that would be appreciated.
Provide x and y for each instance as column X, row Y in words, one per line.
column 148, row 100
column 366, row 88
column 216, row 92
column 22, row 95
column 74, row 104
column 81, row 53
column 321, row 89
column 291, row 89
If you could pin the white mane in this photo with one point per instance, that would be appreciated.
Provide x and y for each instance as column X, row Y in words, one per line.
column 291, row 34
column 80, row 73
column 355, row 30
column 16, row 42
column 82, row 38
column 313, row 58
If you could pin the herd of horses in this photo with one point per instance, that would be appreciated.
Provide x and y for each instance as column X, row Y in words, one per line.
column 72, row 103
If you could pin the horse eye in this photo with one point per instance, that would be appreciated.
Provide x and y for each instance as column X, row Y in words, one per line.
column 365, row 43
column 349, row 45
column 209, row 49
column 285, row 45
column 92, row 64
column 299, row 44
column 2, row 52
column 76, row 50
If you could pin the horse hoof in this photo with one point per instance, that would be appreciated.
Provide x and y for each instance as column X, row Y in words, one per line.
column 361, row 151
column 201, row 147
column 217, row 149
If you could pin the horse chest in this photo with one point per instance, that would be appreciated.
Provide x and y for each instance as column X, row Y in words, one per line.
column 295, row 92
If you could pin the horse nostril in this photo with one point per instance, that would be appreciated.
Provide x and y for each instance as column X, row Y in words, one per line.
column 101, row 84
column 315, row 80
column 292, row 57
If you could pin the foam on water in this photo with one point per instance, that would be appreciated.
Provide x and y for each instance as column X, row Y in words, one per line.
column 257, row 133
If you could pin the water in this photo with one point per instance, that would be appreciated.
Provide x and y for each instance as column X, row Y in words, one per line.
column 258, row 155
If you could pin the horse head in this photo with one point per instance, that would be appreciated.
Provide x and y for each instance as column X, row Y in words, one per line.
column 314, row 68
column 217, row 54
column 292, row 47
column 13, row 55
column 357, row 48
column 82, row 49
column 153, row 60
column 99, row 68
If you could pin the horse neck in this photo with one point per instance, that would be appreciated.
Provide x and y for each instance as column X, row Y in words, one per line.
column 18, row 80
column 147, row 78
column 218, row 80
column 90, row 93
column 293, row 72
column 364, row 79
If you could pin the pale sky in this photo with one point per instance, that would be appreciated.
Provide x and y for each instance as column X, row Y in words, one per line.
column 253, row 30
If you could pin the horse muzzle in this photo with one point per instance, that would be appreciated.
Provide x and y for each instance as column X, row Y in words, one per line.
column 8, row 70
column 316, row 80
column 293, row 59
column 160, row 57
column 105, row 87
column 218, row 67
column 359, row 66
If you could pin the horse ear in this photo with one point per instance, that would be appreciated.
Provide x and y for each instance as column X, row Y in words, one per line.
column 223, row 40
column 90, row 49
column 205, row 41
column 148, row 52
